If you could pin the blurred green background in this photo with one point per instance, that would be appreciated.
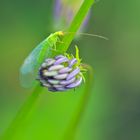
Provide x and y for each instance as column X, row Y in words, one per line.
column 113, row 111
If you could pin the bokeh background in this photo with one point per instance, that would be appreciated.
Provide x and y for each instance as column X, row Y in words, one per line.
column 113, row 111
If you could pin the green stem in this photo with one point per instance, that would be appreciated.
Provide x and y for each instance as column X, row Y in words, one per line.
column 75, row 25
column 72, row 129
column 22, row 116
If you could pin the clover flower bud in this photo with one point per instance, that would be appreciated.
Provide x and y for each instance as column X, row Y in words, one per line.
column 60, row 73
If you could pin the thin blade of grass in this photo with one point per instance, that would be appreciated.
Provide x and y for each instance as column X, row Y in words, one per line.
column 22, row 115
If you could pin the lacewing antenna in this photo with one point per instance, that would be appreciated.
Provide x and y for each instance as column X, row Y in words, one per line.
column 87, row 34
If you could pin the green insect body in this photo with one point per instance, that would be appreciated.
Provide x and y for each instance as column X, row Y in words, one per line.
column 32, row 63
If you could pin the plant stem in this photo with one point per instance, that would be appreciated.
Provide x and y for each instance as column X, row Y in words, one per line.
column 23, row 115
column 72, row 129
column 75, row 25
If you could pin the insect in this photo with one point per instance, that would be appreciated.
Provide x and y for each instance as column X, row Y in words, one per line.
column 30, row 67
column 32, row 63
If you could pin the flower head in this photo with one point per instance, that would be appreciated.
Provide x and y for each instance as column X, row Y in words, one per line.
column 60, row 73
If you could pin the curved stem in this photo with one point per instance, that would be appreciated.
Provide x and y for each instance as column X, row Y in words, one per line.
column 22, row 115
column 72, row 129
column 75, row 24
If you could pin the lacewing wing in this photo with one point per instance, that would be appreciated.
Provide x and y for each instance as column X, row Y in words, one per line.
column 30, row 67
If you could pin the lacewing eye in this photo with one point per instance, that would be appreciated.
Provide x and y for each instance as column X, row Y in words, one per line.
column 59, row 76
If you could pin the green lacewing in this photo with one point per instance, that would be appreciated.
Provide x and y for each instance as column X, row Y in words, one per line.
column 29, row 69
